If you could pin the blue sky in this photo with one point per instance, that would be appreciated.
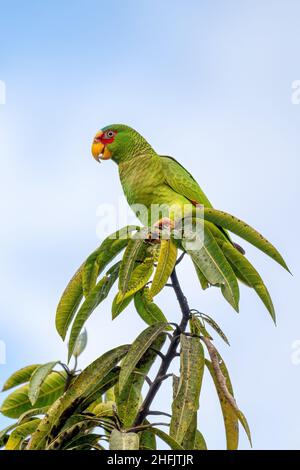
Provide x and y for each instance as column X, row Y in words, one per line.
column 208, row 82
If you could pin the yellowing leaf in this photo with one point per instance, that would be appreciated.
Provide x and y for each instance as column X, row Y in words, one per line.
column 100, row 258
column 186, row 401
column 69, row 303
column 133, row 254
column 37, row 379
column 20, row 433
column 138, row 348
column 148, row 310
column 123, row 440
column 83, row 384
column 166, row 262
column 97, row 295
column 230, row 410
column 18, row 402
column 19, row 377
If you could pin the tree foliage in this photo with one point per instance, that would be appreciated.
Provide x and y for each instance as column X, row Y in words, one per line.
column 108, row 405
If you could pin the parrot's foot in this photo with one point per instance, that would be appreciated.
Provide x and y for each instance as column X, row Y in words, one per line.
column 164, row 223
column 161, row 229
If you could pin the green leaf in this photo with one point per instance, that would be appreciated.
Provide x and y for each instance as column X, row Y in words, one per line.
column 101, row 257
column 133, row 254
column 119, row 304
column 172, row 443
column 97, row 295
column 244, row 231
column 93, row 397
column 248, row 272
column 136, row 268
column 189, row 439
column 202, row 279
column 166, row 262
column 200, row 443
column 69, row 303
column 20, row 433
column 147, row 440
column 37, row 379
column 19, row 377
column 214, row 325
column 80, row 425
column 81, row 343
column 33, row 412
column 229, row 414
column 213, row 264
column 4, row 433
column 123, row 440
column 84, row 442
column 230, row 410
column 129, row 400
column 18, row 402
column 148, row 310
column 104, row 409
column 82, row 386
column 186, row 402
column 138, row 348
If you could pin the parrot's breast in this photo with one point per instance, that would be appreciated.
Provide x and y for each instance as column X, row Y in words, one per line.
column 144, row 184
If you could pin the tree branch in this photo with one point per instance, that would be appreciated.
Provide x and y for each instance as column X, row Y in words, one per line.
column 170, row 354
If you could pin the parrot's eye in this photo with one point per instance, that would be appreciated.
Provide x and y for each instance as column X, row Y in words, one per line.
column 109, row 134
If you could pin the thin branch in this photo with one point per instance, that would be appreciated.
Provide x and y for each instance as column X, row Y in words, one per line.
column 159, row 353
column 146, row 426
column 147, row 379
column 170, row 354
column 158, row 413
column 180, row 258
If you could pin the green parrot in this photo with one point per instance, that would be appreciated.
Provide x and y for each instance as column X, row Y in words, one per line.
column 149, row 179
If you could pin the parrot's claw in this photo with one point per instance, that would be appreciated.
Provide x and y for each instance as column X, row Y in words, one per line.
column 163, row 223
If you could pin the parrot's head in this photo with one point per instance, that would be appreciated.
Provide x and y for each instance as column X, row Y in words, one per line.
column 118, row 142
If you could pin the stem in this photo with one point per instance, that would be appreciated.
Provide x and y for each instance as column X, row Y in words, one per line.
column 170, row 354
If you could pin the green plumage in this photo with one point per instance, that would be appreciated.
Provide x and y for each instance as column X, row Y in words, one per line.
column 150, row 179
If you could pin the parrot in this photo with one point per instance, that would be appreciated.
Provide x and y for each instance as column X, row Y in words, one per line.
column 149, row 179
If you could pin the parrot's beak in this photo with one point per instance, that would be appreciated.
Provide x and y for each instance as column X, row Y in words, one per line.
column 99, row 150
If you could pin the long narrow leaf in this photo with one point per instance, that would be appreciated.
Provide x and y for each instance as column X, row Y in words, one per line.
column 18, row 401
column 100, row 258
column 230, row 410
column 214, row 266
column 82, row 385
column 129, row 399
column 97, row 295
column 247, row 271
column 20, row 433
column 19, row 377
column 138, row 348
column 37, row 379
column 69, row 303
column 166, row 262
column 186, row 402
column 148, row 310
column 134, row 250
column 244, row 230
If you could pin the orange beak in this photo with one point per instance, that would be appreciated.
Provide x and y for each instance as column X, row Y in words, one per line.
column 100, row 150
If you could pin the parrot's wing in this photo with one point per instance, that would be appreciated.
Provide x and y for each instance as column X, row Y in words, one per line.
column 181, row 181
